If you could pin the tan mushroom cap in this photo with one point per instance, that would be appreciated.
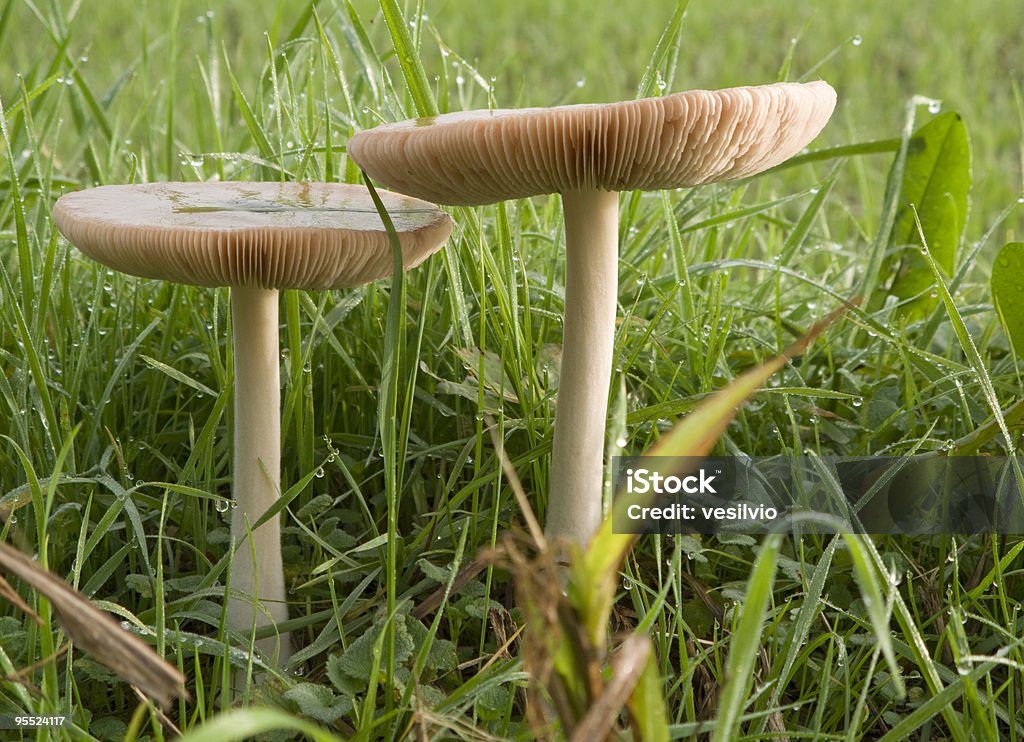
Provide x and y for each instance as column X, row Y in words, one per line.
column 684, row 139
column 269, row 235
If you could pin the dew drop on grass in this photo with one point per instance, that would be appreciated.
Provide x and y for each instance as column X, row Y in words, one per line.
column 857, row 40
column 222, row 506
column 620, row 442
column 125, row 625
column 234, row 505
column 858, row 401
column 627, row 584
column 12, row 519
column 935, row 106
column 320, row 473
column 581, row 82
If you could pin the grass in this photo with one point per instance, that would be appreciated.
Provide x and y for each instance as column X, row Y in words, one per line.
column 132, row 378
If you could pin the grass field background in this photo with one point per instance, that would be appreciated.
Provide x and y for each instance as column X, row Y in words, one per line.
column 115, row 391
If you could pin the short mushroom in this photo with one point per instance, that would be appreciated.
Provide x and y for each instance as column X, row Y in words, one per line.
column 256, row 238
column 588, row 153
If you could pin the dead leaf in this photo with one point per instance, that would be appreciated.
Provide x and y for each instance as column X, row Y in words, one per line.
column 98, row 633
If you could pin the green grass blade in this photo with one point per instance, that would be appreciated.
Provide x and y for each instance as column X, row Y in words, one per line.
column 412, row 68
column 249, row 723
column 746, row 640
column 879, row 606
column 669, row 37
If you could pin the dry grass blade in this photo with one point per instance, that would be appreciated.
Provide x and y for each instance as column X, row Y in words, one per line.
column 535, row 574
column 8, row 592
column 99, row 634
column 627, row 667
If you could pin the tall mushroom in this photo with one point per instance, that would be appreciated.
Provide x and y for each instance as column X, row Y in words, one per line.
column 588, row 153
column 256, row 238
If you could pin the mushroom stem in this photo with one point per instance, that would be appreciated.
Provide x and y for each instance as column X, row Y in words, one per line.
column 257, row 468
column 591, row 284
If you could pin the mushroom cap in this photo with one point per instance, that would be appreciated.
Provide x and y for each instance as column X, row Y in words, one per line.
column 683, row 139
column 270, row 235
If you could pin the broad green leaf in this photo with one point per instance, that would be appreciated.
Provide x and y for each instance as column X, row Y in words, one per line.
column 1008, row 292
column 357, row 661
column 936, row 182
column 317, row 702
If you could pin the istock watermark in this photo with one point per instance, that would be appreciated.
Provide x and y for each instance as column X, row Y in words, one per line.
column 927, row 494
column 642, row 481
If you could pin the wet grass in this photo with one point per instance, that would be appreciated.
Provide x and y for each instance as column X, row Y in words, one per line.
column 132, row 377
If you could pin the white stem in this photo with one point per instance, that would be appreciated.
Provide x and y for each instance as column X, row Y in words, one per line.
column 257, row 468
column 591, row 282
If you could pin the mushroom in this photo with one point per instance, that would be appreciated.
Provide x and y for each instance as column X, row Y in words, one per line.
column 588, row 153
column 256, row 238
